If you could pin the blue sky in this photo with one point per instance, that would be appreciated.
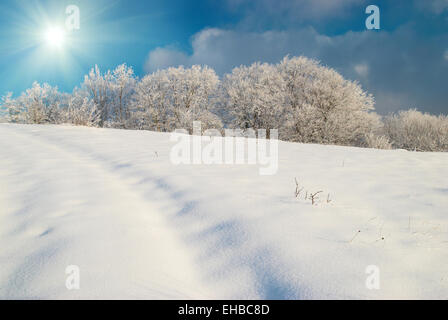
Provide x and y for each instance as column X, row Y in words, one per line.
column 404, row 64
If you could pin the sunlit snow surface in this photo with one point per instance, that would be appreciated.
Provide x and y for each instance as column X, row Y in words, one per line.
column 138, row 227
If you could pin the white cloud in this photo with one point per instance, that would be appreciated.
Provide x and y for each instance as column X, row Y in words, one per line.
column 362, row 70
column 161, row 58
column 225, row 49
column 386, row 64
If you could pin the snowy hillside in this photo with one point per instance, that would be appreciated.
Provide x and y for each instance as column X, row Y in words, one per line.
column 111, row 202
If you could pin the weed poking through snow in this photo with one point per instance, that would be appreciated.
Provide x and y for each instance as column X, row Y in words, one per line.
column 313, row 197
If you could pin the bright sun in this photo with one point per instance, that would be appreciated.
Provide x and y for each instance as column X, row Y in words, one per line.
column 55, row 37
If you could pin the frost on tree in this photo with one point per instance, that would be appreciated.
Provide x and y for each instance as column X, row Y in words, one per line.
column 323, row 107
column 255, row 97
column 112, row 94
column 39, row 104
column 174, row 98
column 123, row 88
column 413, row 130
column 306, row 101
column 81, row 110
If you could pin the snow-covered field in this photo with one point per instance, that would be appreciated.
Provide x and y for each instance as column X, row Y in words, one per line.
column 111, row 202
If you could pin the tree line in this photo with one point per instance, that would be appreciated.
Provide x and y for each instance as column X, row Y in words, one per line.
column 306, row 101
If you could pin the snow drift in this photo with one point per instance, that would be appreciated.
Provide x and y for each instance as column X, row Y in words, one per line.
column 138, row 227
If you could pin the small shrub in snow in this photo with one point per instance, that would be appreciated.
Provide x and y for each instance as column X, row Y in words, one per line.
column 376, row 141
column 298, row 189
column 314, row 197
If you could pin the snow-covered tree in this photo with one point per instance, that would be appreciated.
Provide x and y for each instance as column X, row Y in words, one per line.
column 174, row 98
column 81, row 110
column 255, row 97
column 111, row 93
column 324, row 107
column 305, row 100
column 151, row 109
column 413, row 130
column 297, row 74
column 99, row 89
column 39, row 104
column 123, row 87
column 14, row 109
